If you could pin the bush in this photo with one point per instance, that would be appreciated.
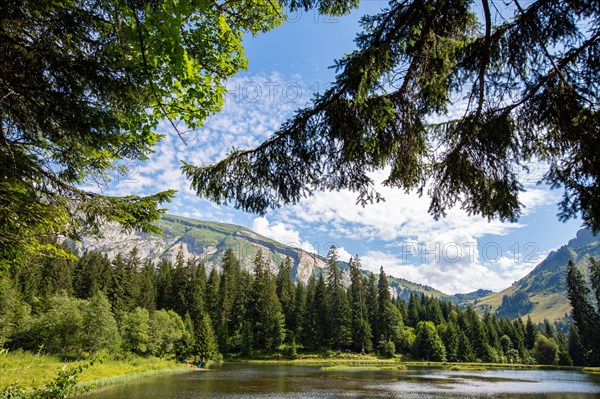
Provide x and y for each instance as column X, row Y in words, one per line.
column 387, row 348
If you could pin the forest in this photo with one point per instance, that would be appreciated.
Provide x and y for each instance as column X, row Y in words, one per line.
column 179, row 309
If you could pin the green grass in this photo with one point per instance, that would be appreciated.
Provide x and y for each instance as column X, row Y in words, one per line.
column 335, row 361
column 346, row 367
column 31, row 370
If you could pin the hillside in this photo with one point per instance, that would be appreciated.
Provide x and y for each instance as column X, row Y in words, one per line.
column 542, row 294
column 207, row 241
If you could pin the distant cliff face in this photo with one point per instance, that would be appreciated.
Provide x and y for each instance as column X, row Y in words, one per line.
column 205, row 241
column 542, row 294
column 208, row 241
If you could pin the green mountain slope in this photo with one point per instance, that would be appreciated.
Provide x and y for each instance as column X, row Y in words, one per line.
column 207, row 241
column 542, row 294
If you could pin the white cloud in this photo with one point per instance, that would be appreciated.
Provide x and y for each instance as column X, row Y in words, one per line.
column 281, row 233
column 343, row 254
column 452, row 267
column 254, row 109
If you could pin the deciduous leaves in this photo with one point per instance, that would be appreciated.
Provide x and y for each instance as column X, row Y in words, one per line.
column 83, row 85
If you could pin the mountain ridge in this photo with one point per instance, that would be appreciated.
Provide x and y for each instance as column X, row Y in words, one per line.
column 542, row 293
column 208, row 240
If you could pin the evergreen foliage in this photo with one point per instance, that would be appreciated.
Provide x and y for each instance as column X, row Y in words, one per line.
column 585, row 316
column 84, row 86
column 247, row 318
column 525, row 80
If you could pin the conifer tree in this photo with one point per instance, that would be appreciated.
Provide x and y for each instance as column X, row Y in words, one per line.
column 428, row 345
column 266, row 315
column 319, row 307
column 196, row 290
column 211, row 297
column 228, row 296
column 576, row 350
column 372, row 304
column 465, row 349
column 299, row 317
column 450, row 335
column 147, row 281
column 205, row 342
column 180, row 283
column 530, row 333
column 286, row 289
column 548, row 329
column 584, row 315
column 530, row 89
column 595, row 278
column 311, row 332
column 361, row 329
column 338, row 309
column 164, row 283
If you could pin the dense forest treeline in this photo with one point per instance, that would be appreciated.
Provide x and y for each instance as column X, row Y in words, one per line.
column 179, row 309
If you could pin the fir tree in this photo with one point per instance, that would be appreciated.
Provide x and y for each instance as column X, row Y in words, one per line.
column 595, row 278
column 428, row 345
column 339, row 316
column 286, row 289
column 584, row 315
column 266, row 315
column 147, row 281
column 205, row 342
column 530, row 333
column 576, row 350
column 361, row 329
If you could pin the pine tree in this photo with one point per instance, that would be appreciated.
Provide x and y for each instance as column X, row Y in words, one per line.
column 311, row 333
column 227, row 323
column 147, row 281
column 299, row 317
column 390, row 325
column 361, row 329
column 205, row 342
column 595, row 278
column 530, row 333
column 428, row 345
column 286, row 289
column 548, row 329
column 164, row 285
column 180, row 284
column 211, row 297
column 196, row 290
column 450, row 335
column 529, row 83
column 372, row 304
column 319, row 307
column 584, row 315
column 465, row 349
column 338, row 309
column 576, row 349
column 266, row 315
column 185, row 347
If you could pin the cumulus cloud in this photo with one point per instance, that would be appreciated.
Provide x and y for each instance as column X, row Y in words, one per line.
column 282, row 233
column 254, row 108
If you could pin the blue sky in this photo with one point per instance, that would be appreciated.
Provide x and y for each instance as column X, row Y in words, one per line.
column 286, row 67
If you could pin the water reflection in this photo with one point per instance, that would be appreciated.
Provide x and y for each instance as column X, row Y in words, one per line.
column 290, row 382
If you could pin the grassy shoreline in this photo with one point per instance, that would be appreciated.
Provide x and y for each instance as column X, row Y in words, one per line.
column 33, row 370
column 374, row 363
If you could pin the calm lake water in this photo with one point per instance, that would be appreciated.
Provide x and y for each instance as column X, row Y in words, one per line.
column 288, row 381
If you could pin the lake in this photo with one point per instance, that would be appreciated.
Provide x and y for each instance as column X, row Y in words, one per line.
column 283, row 381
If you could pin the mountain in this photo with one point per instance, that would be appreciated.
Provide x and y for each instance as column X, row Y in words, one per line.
column 207, row 241
column 542, row 294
